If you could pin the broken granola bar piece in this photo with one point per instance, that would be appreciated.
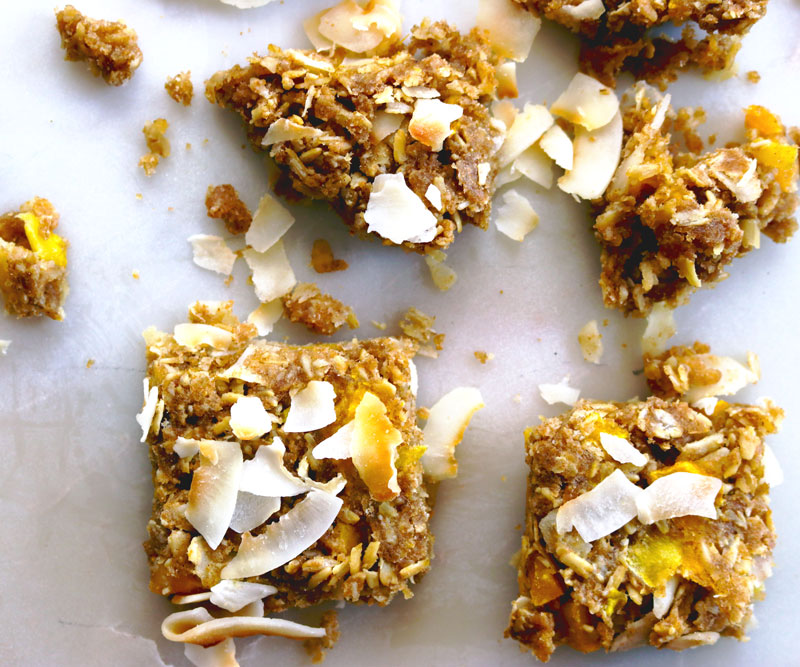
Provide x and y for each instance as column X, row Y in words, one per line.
column 157, row 143
column 646, row 523
column 224, row 203
column 180, row 88
column 671, row 221
column 33, row 261
column 319, row 312
column 110, row 47
column 373, row 136
column 322, row 259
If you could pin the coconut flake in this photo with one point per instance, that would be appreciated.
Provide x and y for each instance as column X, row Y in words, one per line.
column 219, row 655
column 660, row 328
column 434, row 196
column 212, row 253
column 507, row 80
column 601, row 511
column 265, row 316
column 186, row 448
column 773, row 473
column 413, row 383
column 373, row 448
column 591, row 341
column 530, row 124
column 246, row 4
column 588, row 10
column 534, row 164
column 559, row 393
column 194, row 598
column 145, row 417
column 431, row 120
column 336, row 446
column 511, row 28
column 444, row 430
column 678, row 494
column 707, row 405
column 586, row 102
column 249, row 419
column 620, row 449
column 4, row 346
column 193, row 336
column 662, row 603
column 395, row 212
column 312, row 408
column 285, row 130
column 443, row 276
column 272, row 274
column 252, row 510
column 270, row 222
column 266, row 475
column 558, row 146
column 484, row 169
column 233, row 595
column 516, row 217
column 734, row 376
column 361, row 29
column 596, row 156
column 385, row 124
column 285, row 539
column 212, row 496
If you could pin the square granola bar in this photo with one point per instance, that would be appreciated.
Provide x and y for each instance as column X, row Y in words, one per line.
column 646, row 523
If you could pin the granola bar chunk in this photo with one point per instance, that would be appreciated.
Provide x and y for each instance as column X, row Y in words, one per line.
column 373, row 137
column 180, row 88
column 33, row 261
column 671, row 221
column 319, row 312
column 668, row 548
column 224, row 203
column 110, row 47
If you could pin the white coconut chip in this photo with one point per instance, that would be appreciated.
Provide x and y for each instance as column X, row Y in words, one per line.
column 252, row 510
column 734, row 376
column 250, row 419
column 558, row 146
column 559, row 393
column 534, row 164
column 285, row 539
column 186, row 448
column 145, row 417
column 596, row 156
column 212, row 495
column 511, row 28
column 484, row 169
column 219, row 655
column 312, row 408
column 4, row 346
column 444, row 430
column 434, row 196
column 272, row 274
column 285, row 130
column 233, row 595
column 443, row 275
column 430, row 123
column 212, row 253
column 591, row 341
column 361, row 29
column 395, row 212
column 530, row 124
column 773, row 473
column 246, row 4
column 385, row 124
column 706, row 405
column 270, row 222
column 662, row 603
column 588, row 10
column 620, row 449
column 586, row 102
column 601, row 511
column 660, row 328
column 678, row 494
column 515, row 217
column 194, row 598
column 266, row 316
column 194, row 335
column 336, row 446
column 413, row 378
column 266, row 475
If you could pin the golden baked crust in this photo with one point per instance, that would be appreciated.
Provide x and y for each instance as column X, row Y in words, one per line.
column 596, row 595
column 342, row 98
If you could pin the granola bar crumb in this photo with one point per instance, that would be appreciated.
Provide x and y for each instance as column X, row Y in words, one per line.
column 110, row 48
column 379, row 325
column 322, row 259
column 180, row 88
column 135, row 275
column 224, row 203
column 591, row 341
column 89, row 363
column 419, row 327
column 753, row 76
column 482, row 356
column 157, row 143
column 316, row 648
column 320, row 313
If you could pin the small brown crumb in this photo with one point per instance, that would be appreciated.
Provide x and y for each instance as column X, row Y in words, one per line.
column 224, row 203
column 89, row 363
column 180, row 88
column 753, row 76
column 228, row 281
column 379, row 325
column 157, row 142
column 318, row 312
column 135, row 275
column 188, row 146
column 316, row 647
column 419, row 326
column 109, row 47
column 139, row 196
column 517, row 398
column 322, row 259
column 482, row 356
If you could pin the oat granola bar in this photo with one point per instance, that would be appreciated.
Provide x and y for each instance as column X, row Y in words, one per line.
column 375, row 135
column 669, row 548
column 671, row 221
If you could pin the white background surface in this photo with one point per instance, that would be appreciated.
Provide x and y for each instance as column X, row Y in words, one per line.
column 75, row 486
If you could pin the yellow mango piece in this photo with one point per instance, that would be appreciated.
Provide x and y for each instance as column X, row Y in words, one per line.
column 762, row 120
column 602, row 425
column 545, row 584
column 53, row 248
column 616, row 599
column 680, row 466
column 654, row 559
column 776, row 155
column 408, row 456
column 578, row 619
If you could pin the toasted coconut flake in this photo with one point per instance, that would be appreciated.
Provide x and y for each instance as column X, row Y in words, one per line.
column 336, row 446
column 285, row 130
column 4, row 346
column 588, row 10
column 444, row 277
column 266, row 475
column 272, row 274
column 252, row 510
column 444, row 430
column 534, row 164
column 601, row 511
column 270, row 222
column 212, row 496
column 773, row 473
column 733, row 377
column 511, row 28
column 678, row 494
column 193, row 336
column 395, row 212
column 660, row 328
column 361, row 29
column 373, row 448
column 219, row 655
column 145, row 417
column 197, row 626
column 620, row 449
column 558, row 146
column 312, row 408
column 431, row 120
column 505, row 112
column 559, row 393
column 285, row 539
column 516, row 217
column 507, row 80
column 530, row 124
column 233, row 595
column 434, row 196
column 212, row 253
column 586, row 102
column 265, row 316
column 591, row 341
column 249, row 418
column 596, row 155
column 662, row 603
column 385, row 124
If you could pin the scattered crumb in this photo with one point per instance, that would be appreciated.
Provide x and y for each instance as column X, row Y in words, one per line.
column 482, row 356
column 180, row 88
column 502, row 478
column 139, row 196
column 4, row 344
column 170, row 208
column 89, row 363
column 712, row 139
column 135, row 275
column 443, row 276
column 517, row 398
column 590, row 340
column 188, row 146
column 224, row 203
column 157, row 142
column 423, row 413
column 228, row 281
column 419, row 326
column 318, row 312
column 379, row 325
column 316, row 647
column 322, row 259
column 753, row 76
column 605, row 322
column 518, row 526
column 205, row 141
